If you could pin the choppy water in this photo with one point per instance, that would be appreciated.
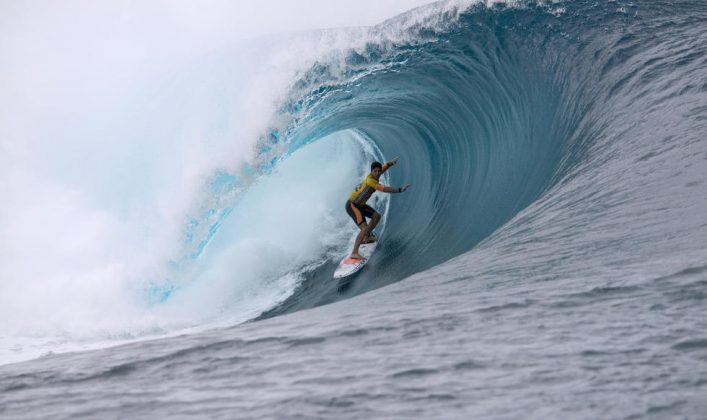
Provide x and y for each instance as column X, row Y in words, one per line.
column 549, row 260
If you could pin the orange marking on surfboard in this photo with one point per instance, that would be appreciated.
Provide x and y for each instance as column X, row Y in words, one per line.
column 351, row 260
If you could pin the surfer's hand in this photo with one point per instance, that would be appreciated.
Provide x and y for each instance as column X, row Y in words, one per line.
column 392, row 162
column 405, row 187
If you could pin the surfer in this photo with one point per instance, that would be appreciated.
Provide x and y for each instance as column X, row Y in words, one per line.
column 357, row 208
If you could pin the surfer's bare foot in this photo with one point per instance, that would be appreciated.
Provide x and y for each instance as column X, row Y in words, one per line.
column 356, row 256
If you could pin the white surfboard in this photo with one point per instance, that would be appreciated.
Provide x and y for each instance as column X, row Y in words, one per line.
column 349, row 266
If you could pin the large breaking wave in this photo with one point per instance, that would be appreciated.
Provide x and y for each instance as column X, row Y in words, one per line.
column 490, row 109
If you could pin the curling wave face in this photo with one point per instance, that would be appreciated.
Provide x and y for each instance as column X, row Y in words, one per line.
column 493, row 113
column 477, row 122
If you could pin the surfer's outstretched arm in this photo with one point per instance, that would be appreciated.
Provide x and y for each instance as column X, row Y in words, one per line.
column 395, row 189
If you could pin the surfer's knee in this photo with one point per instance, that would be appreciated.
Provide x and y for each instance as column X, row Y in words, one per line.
column 376, row 216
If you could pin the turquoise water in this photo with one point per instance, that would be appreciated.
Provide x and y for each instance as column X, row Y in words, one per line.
column 549, row 260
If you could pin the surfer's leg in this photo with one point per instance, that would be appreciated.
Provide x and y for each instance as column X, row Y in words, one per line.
column 375, row 218
column 355, row 213
column 359, row 239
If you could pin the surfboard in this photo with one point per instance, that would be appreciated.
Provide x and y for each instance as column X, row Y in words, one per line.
column 349, row 266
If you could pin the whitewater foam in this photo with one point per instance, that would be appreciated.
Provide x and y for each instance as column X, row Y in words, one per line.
column 112, row 159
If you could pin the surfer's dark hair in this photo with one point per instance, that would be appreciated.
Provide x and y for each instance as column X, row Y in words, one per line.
column 375, row 165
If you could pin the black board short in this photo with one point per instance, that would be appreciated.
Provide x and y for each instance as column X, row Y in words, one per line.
column 359, row 213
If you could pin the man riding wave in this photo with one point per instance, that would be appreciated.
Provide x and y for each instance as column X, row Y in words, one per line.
column 357, row 208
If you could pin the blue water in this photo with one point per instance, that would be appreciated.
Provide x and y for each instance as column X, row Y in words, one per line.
column 549, row 259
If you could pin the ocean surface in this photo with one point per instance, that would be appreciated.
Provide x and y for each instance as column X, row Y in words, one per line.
column 548, row 261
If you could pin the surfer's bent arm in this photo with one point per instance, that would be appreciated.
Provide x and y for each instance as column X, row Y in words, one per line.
column 387, row 165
